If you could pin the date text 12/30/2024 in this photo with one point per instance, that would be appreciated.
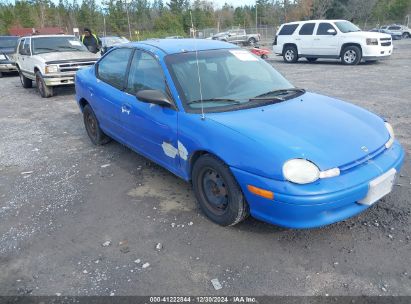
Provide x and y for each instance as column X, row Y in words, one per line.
column 203, row 299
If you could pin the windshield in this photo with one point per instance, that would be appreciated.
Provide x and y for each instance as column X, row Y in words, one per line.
column 110, row 41
column 347, row 27
column 8, row 42
column 56, row 44
column 230, row 79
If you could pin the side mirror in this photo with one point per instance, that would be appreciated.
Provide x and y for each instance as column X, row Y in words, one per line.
column 332, row 32
column 155, row 97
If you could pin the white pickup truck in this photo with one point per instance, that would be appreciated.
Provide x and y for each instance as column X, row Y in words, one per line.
column 51, row 60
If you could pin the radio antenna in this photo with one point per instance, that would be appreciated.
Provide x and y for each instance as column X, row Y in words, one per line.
column 198, row 68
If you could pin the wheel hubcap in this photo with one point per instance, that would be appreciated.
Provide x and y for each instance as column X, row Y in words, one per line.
column 350, row 56
column 215, row 191
column 289, row 55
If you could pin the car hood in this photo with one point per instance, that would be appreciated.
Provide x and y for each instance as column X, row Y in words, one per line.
column 365, row 34
column 67, row 56
column 326, row 131
column 7, row 50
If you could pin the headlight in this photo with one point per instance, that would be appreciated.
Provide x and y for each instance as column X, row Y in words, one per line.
column 300, row 171
column 372, row 41
column 52, row 69
column 390, row 130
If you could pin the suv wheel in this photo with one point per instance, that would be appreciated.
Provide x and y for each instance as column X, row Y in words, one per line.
column 351, row 55
column 25, row 82
column 217, row 191
column 44, row 90
column 290, row 54
column 406, row 35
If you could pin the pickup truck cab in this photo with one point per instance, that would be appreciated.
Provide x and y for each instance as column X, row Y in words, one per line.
column 336, row 39
column 237, row 36
column 51, row 60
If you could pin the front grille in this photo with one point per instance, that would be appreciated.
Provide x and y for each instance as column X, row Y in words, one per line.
column 385, row 39
column 74, row 66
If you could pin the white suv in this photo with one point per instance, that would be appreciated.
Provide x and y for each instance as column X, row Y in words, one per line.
column 51, row 60
column 338, row 39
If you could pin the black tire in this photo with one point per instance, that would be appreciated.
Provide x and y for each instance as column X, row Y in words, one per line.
column 311, row 59
column 252, row 41
column 217, row 191
column 1, row 74
column 94, row 132
column 25, row 82
column 264, row 56
column 406, row 35
column 290, row 54
column 44, row 90
column 351, row 55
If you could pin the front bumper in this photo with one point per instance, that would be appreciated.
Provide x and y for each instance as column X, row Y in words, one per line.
column 377, row 51
column 321, row 203
column 58, row 80
column 7, row 67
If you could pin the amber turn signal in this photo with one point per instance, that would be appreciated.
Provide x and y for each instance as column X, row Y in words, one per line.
column 260, row 192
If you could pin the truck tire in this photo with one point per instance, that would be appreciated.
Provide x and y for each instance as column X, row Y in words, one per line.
column 25, row 82
column 44, row 90
column 252, row 41
column 1, row 74
column 290, row 54
column 351, row 55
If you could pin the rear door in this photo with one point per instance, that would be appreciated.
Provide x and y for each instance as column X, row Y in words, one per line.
column 305, row 39
column 150, row 129
column 326, row 43
column 107, row 93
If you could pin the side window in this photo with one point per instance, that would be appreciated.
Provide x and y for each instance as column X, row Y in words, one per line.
column 145, row 74
column 21, row 46
column 307, row 29
column 27, row 46
column 323, row 28
column 288, row 29
column 113, row 67
column 395, row 28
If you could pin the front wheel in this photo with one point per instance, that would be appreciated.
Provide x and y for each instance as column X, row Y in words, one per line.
column 91, row 123
column 290, row 54
column 351, row 55
column 406, row 35
column 252, row 41
column 25, row 82
column 217, row 191
column 44, row 90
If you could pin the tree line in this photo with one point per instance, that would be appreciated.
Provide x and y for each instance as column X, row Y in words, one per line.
column 157, row 18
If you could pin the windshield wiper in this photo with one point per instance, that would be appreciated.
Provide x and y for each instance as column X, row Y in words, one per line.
column 214, row 99
column 275, row 93
column 68, row 47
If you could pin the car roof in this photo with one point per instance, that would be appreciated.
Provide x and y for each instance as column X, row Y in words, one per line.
column 43, row 36
column 173, row 46
column 317, row 20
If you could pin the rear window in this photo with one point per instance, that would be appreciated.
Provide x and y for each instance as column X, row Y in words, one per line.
column 394, row 28
column 307, row 29
column 288, row 29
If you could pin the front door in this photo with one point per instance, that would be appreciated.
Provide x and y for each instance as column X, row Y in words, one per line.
column 326, row 41
column 150, row 129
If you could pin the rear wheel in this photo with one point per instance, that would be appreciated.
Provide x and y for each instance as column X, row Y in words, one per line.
column 290, row 54
column 351, row 55
column 311, row 59
column 252, row 41
column 91, row 123
column 264, row 56
column 44, row 90
column 406, row 35
column 217, row 191
column 25, row 82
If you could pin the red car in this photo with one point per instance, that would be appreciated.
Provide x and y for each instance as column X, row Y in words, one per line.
column 263, row 53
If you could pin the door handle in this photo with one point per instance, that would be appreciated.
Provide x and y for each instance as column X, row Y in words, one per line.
column 297, row 39
column 316, row 38
column 125, row 109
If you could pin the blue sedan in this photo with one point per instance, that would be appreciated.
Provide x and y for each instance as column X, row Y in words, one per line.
column 248, row 140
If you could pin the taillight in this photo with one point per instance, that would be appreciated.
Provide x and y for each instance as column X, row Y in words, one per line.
column 275, row 40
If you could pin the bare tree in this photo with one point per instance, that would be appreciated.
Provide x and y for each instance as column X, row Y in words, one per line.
column 360, row 10
column 320, row 8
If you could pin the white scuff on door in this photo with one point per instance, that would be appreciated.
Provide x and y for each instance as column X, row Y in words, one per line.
column 169, row 150
column 182, row 151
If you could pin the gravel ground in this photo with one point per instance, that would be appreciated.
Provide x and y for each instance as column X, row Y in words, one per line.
column 76, row 219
